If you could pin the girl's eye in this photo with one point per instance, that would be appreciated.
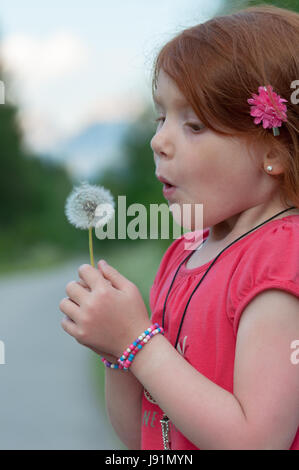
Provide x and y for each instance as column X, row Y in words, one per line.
column 195, row 127
column 158, row 120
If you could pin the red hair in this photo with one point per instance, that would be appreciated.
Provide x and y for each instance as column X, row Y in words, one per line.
column 219, row 64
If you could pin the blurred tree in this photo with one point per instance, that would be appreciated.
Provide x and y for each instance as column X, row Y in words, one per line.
column 231, row 5
column 32, row 192
column 288, row 4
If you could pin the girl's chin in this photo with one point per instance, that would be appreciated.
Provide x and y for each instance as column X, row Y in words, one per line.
column 184, row 215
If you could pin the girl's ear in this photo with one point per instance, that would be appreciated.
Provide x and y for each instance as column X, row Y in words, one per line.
column 272, row 167
column 273, row 159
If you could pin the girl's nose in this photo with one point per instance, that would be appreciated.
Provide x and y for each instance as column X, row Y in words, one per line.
column 161, row 144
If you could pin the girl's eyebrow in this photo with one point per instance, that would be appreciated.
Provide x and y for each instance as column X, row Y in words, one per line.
column 180, row 102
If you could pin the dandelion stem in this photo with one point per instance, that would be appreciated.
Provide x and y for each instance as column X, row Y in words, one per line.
column 90, row 247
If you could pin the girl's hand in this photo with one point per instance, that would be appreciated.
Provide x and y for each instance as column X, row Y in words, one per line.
column 105, row 314
column 107, row 356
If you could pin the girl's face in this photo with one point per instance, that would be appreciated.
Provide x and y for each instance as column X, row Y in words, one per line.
column 205, row 167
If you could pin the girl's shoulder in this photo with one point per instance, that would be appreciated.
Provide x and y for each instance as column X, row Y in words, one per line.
column 272, row 251
column 268, row 260
column 278, row 236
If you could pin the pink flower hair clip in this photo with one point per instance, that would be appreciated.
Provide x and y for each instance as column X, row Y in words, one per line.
column 268, row 107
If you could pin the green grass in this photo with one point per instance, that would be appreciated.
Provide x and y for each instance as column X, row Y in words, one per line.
column 37, row 258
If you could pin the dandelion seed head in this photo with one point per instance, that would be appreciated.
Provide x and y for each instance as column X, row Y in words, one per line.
column 81, row 205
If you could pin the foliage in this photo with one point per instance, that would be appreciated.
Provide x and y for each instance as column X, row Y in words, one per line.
column 231, row 5
column 32, row 194
column 288, row 4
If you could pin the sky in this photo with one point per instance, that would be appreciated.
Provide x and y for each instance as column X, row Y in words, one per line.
column 68, row 64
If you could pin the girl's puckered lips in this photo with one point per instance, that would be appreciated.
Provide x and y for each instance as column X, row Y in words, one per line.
column 168, row 188
column 164, row 180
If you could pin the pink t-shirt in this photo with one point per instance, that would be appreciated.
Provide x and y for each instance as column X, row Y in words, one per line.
column 264, row 259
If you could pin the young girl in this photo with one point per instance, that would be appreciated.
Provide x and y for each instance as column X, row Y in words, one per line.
column 223, row 374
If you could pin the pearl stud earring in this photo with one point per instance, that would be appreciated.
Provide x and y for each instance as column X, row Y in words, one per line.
column 269, row 168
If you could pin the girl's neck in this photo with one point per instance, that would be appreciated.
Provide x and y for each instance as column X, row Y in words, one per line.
column 229, row 230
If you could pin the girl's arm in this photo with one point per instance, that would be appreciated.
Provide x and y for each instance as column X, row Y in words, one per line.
column 263, row 411
column 123, row 403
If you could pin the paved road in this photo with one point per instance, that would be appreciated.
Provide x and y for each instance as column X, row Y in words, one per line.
column 48, row 398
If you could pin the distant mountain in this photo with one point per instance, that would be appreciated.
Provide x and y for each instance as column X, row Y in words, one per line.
column 92, row 150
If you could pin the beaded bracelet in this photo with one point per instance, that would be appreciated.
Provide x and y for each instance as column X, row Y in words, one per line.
column 109, row 364
column 128, row 355
column 125, row 360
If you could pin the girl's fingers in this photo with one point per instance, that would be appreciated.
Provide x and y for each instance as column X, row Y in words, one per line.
column 117, row 280
column 69, row 326
column 76, row 292
column 90, row 275
column 101, row 270
column 83, row 284
column 69, row 308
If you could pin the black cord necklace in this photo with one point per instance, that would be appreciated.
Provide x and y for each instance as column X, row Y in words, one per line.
column 183, row 316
